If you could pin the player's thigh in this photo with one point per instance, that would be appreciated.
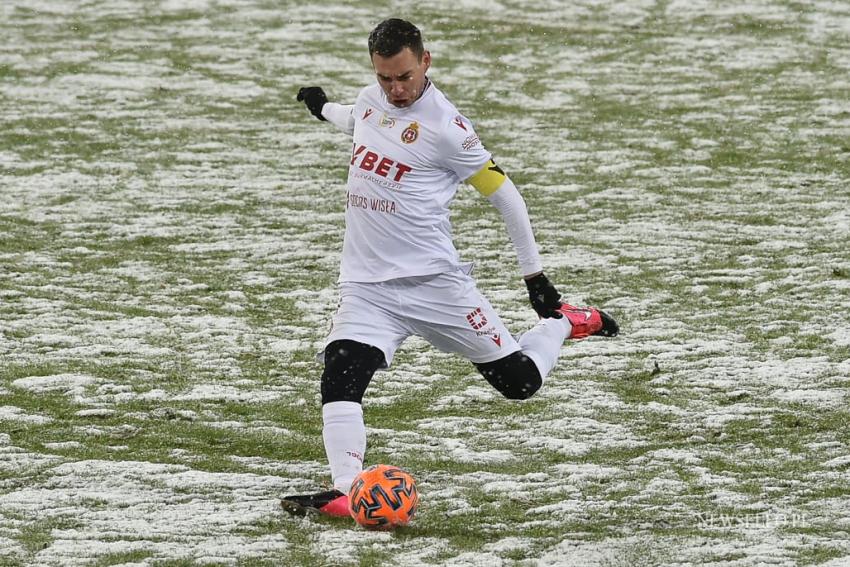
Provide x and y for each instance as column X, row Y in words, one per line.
column 368, row 314
column 452, row 314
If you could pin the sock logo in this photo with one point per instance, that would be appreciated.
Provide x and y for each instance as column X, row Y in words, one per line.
column 355, row 455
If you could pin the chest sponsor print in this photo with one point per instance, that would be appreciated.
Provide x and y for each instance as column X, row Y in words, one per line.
column 379, row 165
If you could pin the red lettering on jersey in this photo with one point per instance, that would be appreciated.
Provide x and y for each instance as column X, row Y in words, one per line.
column 369, row 113
column 459, row 123
column 369, row 161
column 384, row 167
column 401, row 169
column 356, row 153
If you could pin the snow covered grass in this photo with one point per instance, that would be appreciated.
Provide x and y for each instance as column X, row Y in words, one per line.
column 170, row 226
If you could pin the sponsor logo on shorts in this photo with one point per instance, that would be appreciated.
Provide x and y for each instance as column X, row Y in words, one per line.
column 477, row 319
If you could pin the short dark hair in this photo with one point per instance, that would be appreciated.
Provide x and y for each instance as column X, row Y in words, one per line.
column 392, row 35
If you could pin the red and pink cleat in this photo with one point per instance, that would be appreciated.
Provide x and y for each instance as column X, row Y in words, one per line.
column 587, row 321
column 330, row 503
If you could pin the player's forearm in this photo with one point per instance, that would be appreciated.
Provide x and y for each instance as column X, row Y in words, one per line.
column 340, row 115
column 512, row 208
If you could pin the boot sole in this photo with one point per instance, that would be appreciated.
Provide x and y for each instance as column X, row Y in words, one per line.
column 297, row 509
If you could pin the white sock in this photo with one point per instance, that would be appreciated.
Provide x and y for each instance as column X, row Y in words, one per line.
column 542, row 344
column 344, row 434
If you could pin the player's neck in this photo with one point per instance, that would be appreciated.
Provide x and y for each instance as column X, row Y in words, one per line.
column 424, row 88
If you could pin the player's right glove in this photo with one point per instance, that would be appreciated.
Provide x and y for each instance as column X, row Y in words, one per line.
column 314, row 98
column 545, row 299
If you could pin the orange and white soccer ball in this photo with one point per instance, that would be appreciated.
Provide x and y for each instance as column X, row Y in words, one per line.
column 383, row 497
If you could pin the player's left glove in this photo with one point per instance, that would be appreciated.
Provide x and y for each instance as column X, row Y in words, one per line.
column 545, row 299
column 315, row 98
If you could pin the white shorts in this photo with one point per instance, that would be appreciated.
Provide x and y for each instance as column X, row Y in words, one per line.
column 447, row 310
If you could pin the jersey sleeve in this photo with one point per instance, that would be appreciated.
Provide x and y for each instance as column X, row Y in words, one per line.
column 462, row 150
column 340, row 115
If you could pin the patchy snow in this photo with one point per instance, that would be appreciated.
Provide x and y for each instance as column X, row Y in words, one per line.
column 12, row 413
column 66, row 383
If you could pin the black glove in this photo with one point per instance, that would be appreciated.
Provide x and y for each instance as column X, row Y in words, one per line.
column 314, row 98
column 545, row 299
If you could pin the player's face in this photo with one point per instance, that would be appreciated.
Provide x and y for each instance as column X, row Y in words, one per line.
column 402, row 76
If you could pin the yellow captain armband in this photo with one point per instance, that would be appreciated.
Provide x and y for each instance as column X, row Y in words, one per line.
column 488, row 179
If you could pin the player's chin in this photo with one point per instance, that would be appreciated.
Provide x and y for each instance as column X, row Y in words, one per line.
column 401, row 103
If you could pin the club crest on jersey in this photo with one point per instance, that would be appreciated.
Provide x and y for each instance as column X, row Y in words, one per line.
column 386, row 122
column 411, row 133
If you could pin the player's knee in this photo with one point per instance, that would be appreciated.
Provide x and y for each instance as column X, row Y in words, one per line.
column 523, row 390
column 349, row 366
column 522, row 387
column 516, row 376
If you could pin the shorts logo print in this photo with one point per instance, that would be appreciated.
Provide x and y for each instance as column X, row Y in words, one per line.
column 477, row 319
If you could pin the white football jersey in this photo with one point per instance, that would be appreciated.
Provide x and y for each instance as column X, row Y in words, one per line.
column 406, row 166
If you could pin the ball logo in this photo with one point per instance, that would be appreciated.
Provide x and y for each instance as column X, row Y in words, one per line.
column 410, row 133
column 477, row 319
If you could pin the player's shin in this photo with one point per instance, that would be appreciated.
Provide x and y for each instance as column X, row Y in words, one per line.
column 543, row 342
column 344, row 434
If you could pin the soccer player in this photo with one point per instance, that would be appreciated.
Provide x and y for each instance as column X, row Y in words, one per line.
column 400, row 274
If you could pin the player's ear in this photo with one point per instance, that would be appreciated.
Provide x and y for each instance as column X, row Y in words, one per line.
column 426, row 60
